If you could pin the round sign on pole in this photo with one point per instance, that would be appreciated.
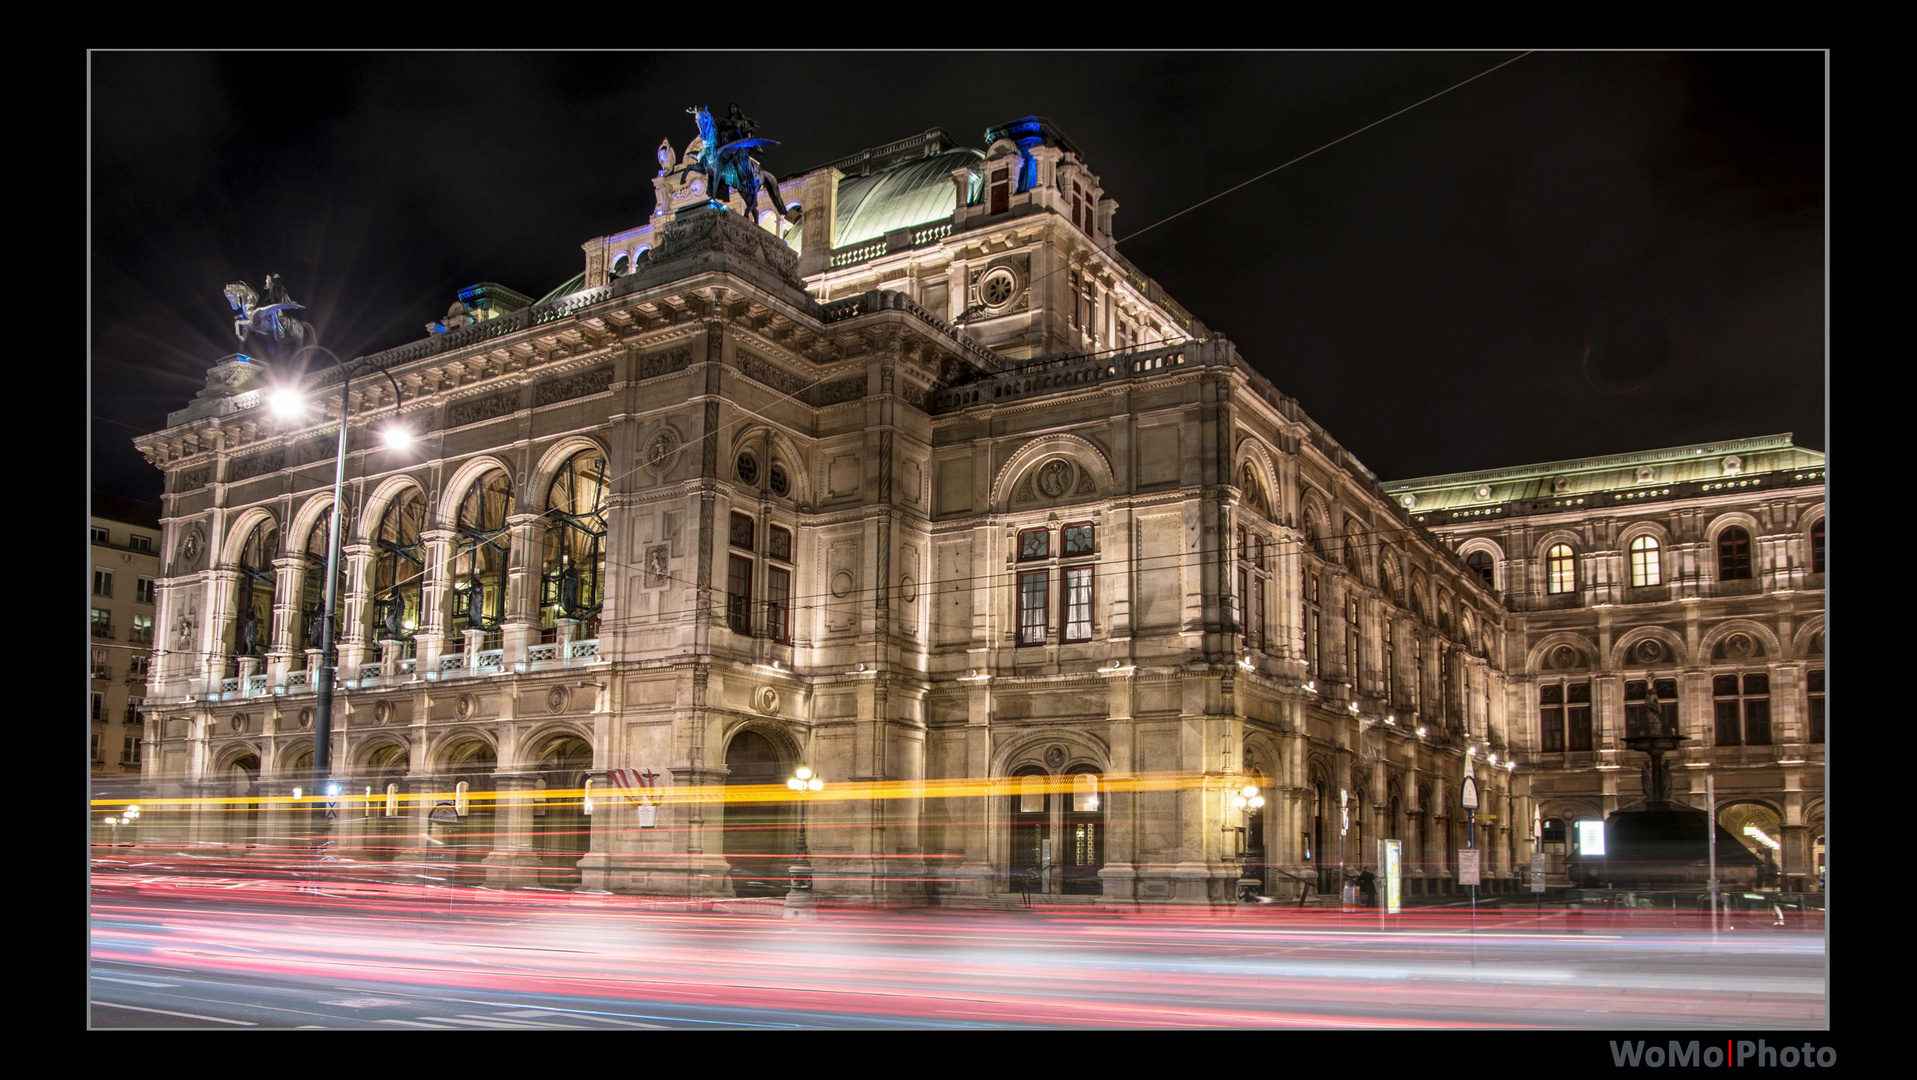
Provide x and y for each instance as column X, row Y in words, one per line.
column 1468, row 794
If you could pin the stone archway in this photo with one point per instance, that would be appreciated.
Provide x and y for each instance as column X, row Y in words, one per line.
column 760, row 832
column 561, row 831
column 384, row 821
column 467, row 766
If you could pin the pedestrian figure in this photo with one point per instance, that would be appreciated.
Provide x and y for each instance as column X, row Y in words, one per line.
column 1368, row 887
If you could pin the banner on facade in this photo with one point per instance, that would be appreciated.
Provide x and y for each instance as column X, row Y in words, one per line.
column 1390, row 853
column 638, row 788
column 1467, row 866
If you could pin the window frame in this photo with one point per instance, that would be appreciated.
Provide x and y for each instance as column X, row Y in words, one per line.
column 1814, row 706
column 1743, row 711
column 1074, row 613
column 1033, row 606
column 1647, row 562
column 1733, row 546
column 1560, row 570
column 739, row 594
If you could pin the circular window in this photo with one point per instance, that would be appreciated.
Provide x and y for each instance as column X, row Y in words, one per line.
column 778, row 481
column 998, row 287
column 748, row 469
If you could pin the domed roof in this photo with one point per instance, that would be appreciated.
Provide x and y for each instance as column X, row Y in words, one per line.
column 900, row 197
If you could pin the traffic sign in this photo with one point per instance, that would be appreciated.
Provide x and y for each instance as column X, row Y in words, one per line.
column 1468, row 794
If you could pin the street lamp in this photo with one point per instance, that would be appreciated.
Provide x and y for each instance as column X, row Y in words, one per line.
column 288, row 402
column 804, row 782
column 1246, row 801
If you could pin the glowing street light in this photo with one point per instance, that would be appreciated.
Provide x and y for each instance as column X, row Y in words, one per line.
column 804, row 782
column 1246, row 801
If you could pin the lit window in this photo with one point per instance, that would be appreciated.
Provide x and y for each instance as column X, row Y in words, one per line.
column 1078, row 540
column 141, row 632
column 1817, row 547
column 399, row 567
column 483, row 553
column 778, row 543
column 572, row 578
column 1311, row 623
column 1733, row 555
column 1645, row 569
column 102, row 623
column 1560, row 569
column 100, row 663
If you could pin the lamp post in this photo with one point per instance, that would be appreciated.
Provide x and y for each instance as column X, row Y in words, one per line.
column 1246, row 801
column 799, row 895
column 288, row 402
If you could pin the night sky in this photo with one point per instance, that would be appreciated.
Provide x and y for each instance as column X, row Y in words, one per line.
column 1575, row 254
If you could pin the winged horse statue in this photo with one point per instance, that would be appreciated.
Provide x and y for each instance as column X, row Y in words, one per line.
column 266, row 317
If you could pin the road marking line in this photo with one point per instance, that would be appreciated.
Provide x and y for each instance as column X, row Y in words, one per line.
column 414, row 1023
column 134, row 982
column 167, row 1012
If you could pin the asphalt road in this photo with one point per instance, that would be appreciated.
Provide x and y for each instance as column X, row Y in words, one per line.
column 236, row 955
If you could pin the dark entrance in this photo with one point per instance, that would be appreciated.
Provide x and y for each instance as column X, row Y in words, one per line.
column 759, row 834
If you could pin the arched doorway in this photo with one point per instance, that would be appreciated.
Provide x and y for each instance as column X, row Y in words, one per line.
column 1758, row 828
column 384, row 815
column 240, row 816
column 1315, row 846
column 759, row 834
column 561, row 831
column 469, row 836
column 1029, row 812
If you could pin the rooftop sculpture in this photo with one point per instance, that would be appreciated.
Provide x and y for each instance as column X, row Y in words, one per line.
column 263, row 323
column 726, row 156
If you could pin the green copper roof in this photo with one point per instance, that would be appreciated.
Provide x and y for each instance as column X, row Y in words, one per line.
column 900, row 197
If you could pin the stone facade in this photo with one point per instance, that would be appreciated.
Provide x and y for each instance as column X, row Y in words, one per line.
column 930, row 491
column 1697, row 568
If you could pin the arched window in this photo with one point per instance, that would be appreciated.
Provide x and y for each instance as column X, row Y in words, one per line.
column 1560, row 570
column 1733, row 554
column 1817, row 547
column 1030, row 815
column 574, row 573
column 313, row 584
column 253, row 629
column 1480, row 564
column 399, row 567
column 1645, row 569
column 483, row 546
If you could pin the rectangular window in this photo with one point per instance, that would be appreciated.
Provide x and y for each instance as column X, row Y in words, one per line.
column 1034, row 544
column 143, row 590
column 1390, row 660
column 1550, row 718
column 741, row 535
column 1077, row 324
column 1577, row 709
column 739, row 594
column 100, row 663
column 99, row 707
column 142, row 632
column 133, row 710
column 778, row 598
column 137, row 667
column 1078, row 539
column 1757, row 710
column 1239, row 597
column 1258, row 613
column 140, row 543
column 778, row 543
column 95, row 747
column 1077, row 603
column 1001, row 190
column 102, row 583
column 102, row 623
column 99, row 536
column 1728, row 708
column 1637, row 714
column 130, row 751
column 1815, row 681
column 1032, row 613
column 1351, row 638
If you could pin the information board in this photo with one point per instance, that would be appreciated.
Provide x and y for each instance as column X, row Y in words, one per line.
column 1537, row 871
column 1467, row 866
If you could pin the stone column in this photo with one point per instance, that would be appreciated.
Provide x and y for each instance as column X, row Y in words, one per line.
column 513, row 861
column 435, row 619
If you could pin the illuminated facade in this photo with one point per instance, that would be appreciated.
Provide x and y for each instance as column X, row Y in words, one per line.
column 932, row 491
column 125, row 569
column 1695, row 574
